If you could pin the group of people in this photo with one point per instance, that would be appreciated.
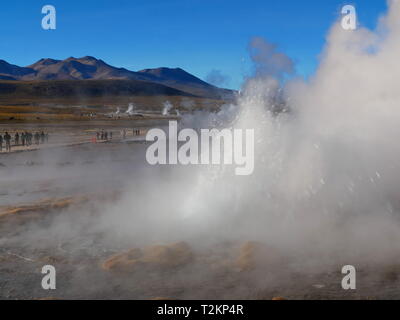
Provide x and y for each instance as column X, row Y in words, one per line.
column 135, row 132
column 22, row 139
column 104, row 135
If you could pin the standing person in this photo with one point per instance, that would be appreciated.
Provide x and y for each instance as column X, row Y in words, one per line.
column 37, row 138
column 124, row 134
column 42, row 137
column 7, row 138
column 102, row 135
column 110, row 135
column 106, row 135
column 16, row 138
column 1, row 143
column 98, row 135
column 23, row 138
column 47, row 137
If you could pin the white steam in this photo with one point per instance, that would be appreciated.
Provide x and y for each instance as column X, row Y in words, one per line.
column 131, row 109
column 326, row 180
column 167, row 106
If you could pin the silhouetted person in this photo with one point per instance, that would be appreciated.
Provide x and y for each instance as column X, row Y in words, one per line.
column 1, row 143
column 16, row 138
column 105, row 135
column 23, row 139
column 7, row 139
column 42, row 137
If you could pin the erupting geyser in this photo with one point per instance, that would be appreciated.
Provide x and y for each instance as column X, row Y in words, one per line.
column 327, row 172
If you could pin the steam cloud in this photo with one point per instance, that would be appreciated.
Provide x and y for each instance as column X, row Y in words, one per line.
column 327, row 173
column 267, row 60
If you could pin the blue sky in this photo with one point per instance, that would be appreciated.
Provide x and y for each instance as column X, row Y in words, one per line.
column 196, row 35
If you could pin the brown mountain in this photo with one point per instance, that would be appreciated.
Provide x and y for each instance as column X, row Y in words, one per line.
column 180, row 79
column 76, row 69
column 12, row 72
column 90, row 68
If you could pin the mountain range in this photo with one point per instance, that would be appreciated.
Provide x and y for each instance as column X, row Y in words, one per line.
column 160, row 80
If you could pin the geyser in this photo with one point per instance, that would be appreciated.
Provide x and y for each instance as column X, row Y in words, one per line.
column 326, row 179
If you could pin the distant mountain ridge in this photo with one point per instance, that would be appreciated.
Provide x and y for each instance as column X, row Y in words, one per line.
column 91, row 68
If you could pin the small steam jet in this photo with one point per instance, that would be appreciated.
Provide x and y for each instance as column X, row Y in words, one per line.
column 130, row 110
column 167, row 108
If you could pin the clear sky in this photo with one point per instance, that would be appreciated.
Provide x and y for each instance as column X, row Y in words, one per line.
column 196, row 35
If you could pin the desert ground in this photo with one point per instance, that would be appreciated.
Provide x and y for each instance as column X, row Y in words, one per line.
column 52, row 197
